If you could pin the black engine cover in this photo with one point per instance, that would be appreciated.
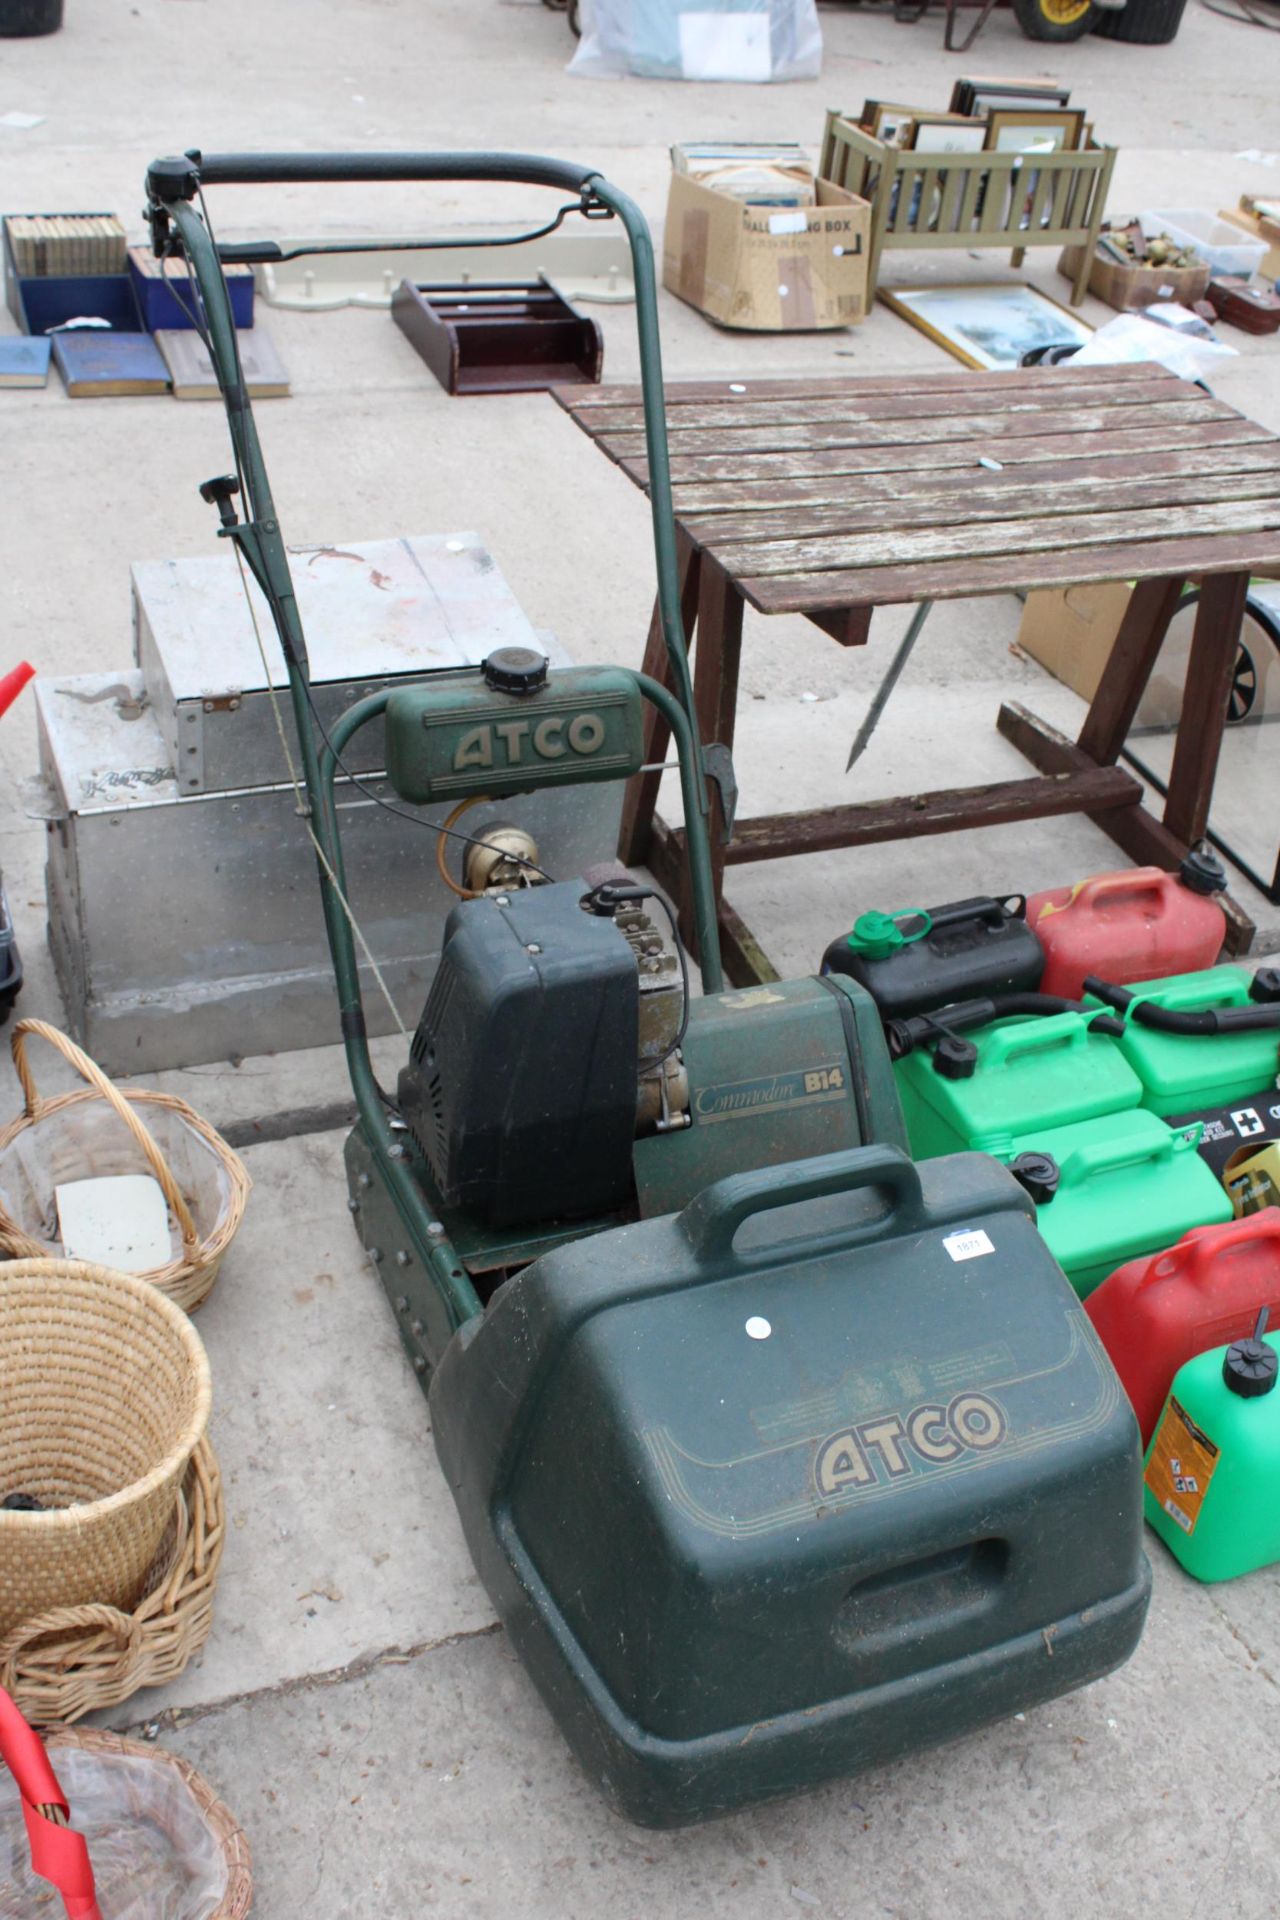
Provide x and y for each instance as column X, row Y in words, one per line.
column 521, row 1083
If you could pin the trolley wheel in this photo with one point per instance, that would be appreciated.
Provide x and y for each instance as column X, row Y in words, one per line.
column 1143, row 23
column 1055, row 19
column 21, row 18
column 1244, row 675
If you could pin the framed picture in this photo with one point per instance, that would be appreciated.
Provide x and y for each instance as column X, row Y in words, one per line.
column 890, row 121
column 948, row 133
column 1005, row 87
column 986, row 98
column 989, row 324
column 1034, row 130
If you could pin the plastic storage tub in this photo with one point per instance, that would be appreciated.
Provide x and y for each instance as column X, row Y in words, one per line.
column 1218, row 243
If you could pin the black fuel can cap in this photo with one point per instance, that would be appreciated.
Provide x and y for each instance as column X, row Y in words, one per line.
column 1039, row 1173
column 515, row 670
column 955, row 1058
column 1202, row 870
column 1250, row 1367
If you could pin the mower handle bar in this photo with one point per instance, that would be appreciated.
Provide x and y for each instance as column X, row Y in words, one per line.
column 267, row 169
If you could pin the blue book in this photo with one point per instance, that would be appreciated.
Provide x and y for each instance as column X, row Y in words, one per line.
column 24, row 360
column 96, row 362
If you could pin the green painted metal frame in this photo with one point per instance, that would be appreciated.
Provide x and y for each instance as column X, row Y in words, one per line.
column 175, row 202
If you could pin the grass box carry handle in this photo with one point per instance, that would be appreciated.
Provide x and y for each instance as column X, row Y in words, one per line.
column 712, row 1222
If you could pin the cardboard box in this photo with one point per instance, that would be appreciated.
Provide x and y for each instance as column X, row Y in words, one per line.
column 1130, row 288
column 1234, row 1132
column 1252, row 1179
column 1071, row 630
column 768, row 269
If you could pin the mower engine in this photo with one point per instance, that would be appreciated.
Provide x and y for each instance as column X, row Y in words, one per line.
column 558, row 1071
column 549, row 1039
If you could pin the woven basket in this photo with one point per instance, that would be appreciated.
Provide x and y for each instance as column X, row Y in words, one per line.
column 104, row 1394
column 217, row 1818
column 74, row 1660
column 99, row 1130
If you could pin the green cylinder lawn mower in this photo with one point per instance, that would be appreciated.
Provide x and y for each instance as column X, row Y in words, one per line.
column 778, row 1455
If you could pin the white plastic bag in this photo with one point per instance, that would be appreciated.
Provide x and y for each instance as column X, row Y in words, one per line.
column 1132, row 337
column 152, row 1853
column 700, row 39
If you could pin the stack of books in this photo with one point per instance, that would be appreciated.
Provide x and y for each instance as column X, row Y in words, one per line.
column 775, row 173
column 69, row 288
column 65, row 245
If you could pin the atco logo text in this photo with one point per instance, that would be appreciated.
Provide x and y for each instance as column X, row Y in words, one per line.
column 890, row 1446
column 513, row 743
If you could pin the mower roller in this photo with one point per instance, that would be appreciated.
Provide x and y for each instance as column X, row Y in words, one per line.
column 869, row 1478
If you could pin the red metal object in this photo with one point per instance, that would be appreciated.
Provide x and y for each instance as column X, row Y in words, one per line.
column 1139, row 924
column 58, row 1853
column 12, row 683
column 1156, row 1313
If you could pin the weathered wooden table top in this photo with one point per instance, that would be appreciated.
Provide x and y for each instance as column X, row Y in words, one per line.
column 859, row 492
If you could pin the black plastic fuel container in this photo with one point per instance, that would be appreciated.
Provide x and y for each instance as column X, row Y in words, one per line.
column 924, row 958
column 827, row 1468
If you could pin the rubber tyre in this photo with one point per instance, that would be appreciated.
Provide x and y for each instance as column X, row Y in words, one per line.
column 20, row 18
column 1038, row 20
column 1144, row 23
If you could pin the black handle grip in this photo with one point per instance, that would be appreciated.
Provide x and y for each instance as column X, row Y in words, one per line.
column 529, row 169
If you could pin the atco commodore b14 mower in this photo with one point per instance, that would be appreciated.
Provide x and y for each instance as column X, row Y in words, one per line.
column 778, row 1454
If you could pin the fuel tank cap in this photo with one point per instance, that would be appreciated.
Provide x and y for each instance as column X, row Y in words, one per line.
column 515, row 670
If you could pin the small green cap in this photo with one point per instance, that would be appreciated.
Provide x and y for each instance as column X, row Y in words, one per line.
column 877, row 935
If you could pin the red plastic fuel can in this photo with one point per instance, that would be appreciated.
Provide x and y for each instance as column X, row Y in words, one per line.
column 1140, row 924
column 1158, row 1312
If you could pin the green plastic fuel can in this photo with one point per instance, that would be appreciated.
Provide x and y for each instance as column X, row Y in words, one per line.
column 1027, row 1073
column 1182, row 1072
column 1112, row 1188
column 1213, row 1465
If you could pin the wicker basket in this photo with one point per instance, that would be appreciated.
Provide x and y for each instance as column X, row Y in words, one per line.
column 217, row 1818
column 74, row 1660
column 99, row 1130
column 104, row 1394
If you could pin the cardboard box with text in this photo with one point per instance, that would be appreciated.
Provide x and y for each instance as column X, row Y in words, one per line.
column 767, row 269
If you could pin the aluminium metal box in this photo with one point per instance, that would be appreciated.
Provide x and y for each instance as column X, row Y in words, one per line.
column 374, row 612
column 185, row 919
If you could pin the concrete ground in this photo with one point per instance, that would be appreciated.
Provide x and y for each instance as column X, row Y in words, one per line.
column 356, row 1704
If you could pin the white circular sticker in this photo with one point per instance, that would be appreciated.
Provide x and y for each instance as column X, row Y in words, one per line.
column 736, row 386
column 837, row 251
column 783, row 292
column 758, row 1327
